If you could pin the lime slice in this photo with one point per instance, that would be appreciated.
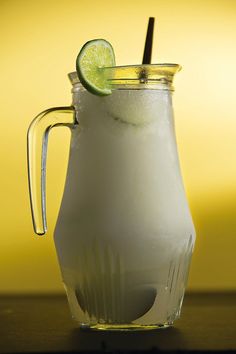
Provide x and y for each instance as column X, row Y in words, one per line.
column 94, row 56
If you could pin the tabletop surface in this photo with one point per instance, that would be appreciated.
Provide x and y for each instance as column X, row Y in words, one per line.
column 42, row 324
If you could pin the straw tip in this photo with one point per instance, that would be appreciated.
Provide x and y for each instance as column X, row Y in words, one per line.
column 148, row 43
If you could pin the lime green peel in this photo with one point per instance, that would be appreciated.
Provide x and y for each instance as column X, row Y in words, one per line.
column 92, row 58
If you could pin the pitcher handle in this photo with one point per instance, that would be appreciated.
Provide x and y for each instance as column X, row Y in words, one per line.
column 37, row 140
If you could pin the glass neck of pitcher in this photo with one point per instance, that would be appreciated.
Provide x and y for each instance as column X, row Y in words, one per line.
column 136, row 77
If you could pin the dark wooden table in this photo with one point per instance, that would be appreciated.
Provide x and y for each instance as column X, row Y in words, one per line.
column 42, row 324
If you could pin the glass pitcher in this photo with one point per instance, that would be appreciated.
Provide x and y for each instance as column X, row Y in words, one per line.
column 124, row 234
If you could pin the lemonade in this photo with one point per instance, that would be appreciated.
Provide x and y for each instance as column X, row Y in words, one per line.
column 124, row 235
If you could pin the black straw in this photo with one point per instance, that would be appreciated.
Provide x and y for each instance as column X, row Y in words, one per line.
column 147, row 55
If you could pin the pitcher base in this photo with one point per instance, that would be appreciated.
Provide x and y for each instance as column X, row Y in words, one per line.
column 122, row 327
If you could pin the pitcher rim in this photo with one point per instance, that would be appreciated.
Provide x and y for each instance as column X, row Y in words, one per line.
column 143, row 75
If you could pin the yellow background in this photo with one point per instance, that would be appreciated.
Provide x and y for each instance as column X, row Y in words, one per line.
column 39, row 43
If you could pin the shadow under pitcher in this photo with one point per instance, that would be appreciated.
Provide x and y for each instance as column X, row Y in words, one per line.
column 124, row 234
